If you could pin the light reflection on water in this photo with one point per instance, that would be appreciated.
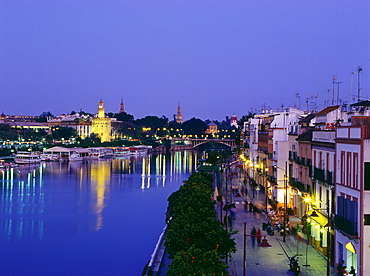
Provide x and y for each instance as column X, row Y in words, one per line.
column 94, row 217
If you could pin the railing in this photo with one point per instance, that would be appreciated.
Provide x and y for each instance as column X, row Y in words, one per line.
column 323, row 175
column 271, row 178
column 155, row 262
column 298, row 185
column 346, row 226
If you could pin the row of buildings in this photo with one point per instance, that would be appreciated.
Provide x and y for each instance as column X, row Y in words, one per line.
column 85, row 125
column 317, row 167
column 106, row 128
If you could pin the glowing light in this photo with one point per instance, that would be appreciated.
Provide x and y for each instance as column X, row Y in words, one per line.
column 307, row 199
column 351, row 248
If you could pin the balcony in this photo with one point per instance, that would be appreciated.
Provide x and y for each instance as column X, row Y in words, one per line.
column 271, row 179
column 323, row 176
column 324, row 136
column 293, row 182
column 301, row 161
column 346, row 226
column 308, row 162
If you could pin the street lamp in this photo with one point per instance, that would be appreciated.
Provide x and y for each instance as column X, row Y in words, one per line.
column 328, row 239
column 285, row 198
column 264, row 243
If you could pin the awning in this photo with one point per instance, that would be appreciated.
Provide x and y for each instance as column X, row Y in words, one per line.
column 320, row 219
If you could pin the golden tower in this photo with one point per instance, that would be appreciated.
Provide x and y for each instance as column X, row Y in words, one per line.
column 101, row 125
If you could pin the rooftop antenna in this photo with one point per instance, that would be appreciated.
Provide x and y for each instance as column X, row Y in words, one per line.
column 299, row 100
column 338, row 82
column 334, row 78
column 359, row 69
column 328, row 94
column 350, row 92
column 307, row 105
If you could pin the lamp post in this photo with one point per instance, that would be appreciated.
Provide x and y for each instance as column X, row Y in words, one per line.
column 264, row 243
column 264, row 182
column 285, row 199
column 328, row 238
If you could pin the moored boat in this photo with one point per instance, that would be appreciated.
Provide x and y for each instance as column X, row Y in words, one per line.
column 139, row 150
column 100, row 152
column 49, row 157
column 27, row 157
column 121, row 151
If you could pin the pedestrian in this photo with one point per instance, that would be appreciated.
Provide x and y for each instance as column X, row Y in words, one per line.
column 352, row 271
column 253, row 236
column 233, row 212
column 251, row 207
column 259, row 236
column 246, row 203
column 340, row 268
column 344, row 271
column 230, row 220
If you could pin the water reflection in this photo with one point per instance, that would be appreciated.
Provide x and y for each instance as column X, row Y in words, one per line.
column 55, row 200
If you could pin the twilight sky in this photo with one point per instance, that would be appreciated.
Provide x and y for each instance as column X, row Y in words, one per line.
column 214, row 57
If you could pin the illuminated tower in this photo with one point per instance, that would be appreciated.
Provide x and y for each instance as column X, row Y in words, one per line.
column 179, row 115
column 121, row 107
column 234, row 121
column 101, row 125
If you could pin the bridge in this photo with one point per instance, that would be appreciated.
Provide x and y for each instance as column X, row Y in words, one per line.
column 189, row 143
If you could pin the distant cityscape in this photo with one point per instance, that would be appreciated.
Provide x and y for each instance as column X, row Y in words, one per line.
column 86, row 129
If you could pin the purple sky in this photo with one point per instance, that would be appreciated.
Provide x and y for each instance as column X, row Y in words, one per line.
column 214, row 57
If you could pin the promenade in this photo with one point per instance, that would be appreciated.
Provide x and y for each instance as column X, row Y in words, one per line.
column 269, row 260
column 263, row 261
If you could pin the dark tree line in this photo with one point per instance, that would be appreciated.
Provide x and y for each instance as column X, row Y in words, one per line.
column 196, row 242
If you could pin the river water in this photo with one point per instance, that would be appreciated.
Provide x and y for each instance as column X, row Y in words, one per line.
column 87, row 218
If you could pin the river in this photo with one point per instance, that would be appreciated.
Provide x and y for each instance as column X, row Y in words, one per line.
column 99, row 217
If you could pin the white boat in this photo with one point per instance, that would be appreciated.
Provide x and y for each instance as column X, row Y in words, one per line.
column 100, row 152
column 75, row 157
column 49, row 157
column 139, row 150
column 121, row 151
column 27, row 157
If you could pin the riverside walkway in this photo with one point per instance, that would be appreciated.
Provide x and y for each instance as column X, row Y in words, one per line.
column 270, row 260
column 260, row 261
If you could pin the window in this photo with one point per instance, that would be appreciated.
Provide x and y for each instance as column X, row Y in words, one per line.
column 342, row 168
column 355, row 170
column 367, row 219
column 348, row 170
column 367, row 176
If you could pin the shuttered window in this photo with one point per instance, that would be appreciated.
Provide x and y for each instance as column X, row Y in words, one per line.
column 367, row 219
column 367, row 176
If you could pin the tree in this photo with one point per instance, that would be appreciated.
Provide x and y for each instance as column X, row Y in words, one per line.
column 245, row 118
column 194, row 127
column 129, row 129
column 124, row 117
column 191, row 219
column 59, row 132
column 44, row 116
column 7, row 133
column 195, row 261
column 30, row 134
column 153, row 122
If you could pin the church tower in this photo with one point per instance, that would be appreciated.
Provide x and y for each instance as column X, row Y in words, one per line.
column 121, row 107
column 101, row 125
column 179, row 115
